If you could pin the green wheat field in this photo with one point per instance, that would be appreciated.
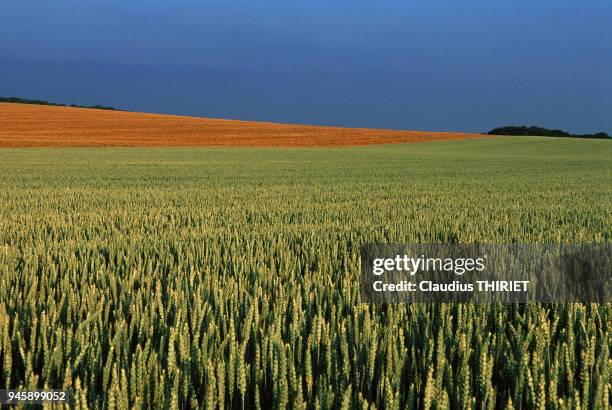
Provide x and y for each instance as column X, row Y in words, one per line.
column 228, row 278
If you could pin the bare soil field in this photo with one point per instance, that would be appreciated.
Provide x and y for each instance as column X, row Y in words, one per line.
column 23, row 125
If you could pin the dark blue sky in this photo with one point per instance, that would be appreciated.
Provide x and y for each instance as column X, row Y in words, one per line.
column 428, row 64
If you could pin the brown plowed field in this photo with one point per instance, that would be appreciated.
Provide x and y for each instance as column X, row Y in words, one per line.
column 23, row 125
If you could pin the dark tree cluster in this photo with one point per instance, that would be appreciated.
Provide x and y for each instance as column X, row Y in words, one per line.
column 18, row 100
column 544, row 132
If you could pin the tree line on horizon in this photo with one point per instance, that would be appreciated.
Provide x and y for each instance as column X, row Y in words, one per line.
column 544, row 132
column 17, row 100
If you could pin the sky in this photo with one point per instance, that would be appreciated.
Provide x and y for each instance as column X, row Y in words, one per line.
column 439, row 65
